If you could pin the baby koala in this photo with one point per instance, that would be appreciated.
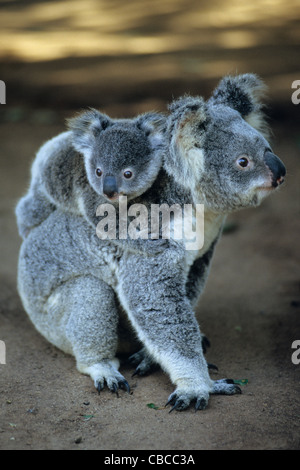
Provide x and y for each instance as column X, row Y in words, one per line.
column 121, row 157
column 96, row 161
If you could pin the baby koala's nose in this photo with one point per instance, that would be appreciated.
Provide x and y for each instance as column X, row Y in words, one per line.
column 110, row 187
column 276, row 166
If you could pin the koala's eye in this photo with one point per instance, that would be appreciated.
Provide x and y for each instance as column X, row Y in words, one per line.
column 99, row 172
column 127, row 174
column 243, row 162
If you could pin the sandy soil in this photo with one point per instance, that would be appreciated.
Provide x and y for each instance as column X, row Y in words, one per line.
column 249, row 311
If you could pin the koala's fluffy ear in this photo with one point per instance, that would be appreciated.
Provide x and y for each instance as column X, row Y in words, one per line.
column 244, row 94
column 187, row 120
column 154, row 126
column 186, row 135
column 86, row 126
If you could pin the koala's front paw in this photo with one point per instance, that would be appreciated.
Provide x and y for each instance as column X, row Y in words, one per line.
column 114, row 383
column 181, row 398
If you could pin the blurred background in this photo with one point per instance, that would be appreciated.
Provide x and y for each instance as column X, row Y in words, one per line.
column 126, row 57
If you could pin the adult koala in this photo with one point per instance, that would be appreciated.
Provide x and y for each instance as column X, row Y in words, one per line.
column 71, row 283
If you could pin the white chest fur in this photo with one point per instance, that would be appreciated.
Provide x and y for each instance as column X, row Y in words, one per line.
column 212, row 226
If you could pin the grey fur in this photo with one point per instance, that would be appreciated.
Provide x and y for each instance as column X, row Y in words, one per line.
column 71, row 283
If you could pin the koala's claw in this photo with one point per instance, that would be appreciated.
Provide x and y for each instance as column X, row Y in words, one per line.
column 179, row 405
column 225, row 387
column 124, row 385
column 200, row 404
column 181, row 401
column 114, row 387
column 121, row 385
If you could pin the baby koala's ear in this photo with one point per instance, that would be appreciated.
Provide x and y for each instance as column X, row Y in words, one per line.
column 86, row 126
column 244, row 93
column 154, row 127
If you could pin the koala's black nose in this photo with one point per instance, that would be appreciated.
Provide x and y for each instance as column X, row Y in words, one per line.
column 110, row 187
column 276, row 166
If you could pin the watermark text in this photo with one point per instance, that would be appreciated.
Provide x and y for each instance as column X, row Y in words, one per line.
column 159, row 221
column 2, row 352
column 2, row 92
column 296, row 354
column 296, row 94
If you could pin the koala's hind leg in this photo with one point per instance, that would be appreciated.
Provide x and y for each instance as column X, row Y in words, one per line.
column 144, row 362
column 91, row 330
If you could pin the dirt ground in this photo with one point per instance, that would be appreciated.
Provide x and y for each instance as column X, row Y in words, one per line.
column 250, row 310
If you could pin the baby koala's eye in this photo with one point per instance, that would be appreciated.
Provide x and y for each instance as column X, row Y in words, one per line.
column 99, row 172
column 243, row 162
column 127, row 174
